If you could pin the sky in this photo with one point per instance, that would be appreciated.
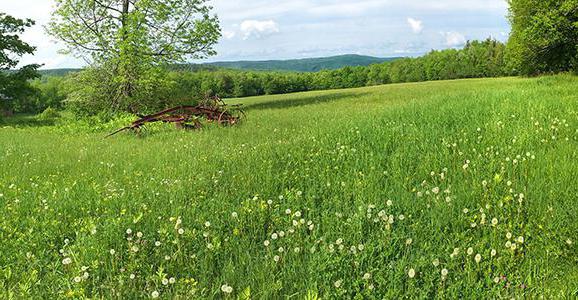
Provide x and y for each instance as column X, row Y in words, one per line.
column 286, row 29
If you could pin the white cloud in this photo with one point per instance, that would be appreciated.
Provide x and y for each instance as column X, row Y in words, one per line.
column 416, row 25
column 229, row 34
column 258, row 29
column 454, row 39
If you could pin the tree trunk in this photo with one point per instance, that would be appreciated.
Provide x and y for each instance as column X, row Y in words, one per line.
column 127, row 82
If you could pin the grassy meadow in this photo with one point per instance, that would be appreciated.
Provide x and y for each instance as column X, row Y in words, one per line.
column 450, row 189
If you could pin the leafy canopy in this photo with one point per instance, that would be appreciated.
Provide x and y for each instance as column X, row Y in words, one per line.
column 127, row 42
column 14, row 85
column 544, row 36
column 162, row 30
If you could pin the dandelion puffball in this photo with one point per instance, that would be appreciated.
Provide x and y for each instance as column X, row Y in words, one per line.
column 411, row 273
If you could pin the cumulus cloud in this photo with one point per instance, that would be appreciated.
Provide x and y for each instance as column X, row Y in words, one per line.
column 258, row 29
column 454, row 39
column 416, row 25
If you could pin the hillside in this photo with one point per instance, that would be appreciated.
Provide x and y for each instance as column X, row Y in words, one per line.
column 304, row 65
column 296, row 65
column 461, row 189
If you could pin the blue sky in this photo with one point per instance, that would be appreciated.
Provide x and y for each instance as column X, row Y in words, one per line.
column 282, row 29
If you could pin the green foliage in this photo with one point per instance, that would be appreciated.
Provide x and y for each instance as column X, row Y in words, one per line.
column 48, row 114
column 14, row 85
column 128, row 42
column 451, row 156
column 91, row 92
column 544, row 36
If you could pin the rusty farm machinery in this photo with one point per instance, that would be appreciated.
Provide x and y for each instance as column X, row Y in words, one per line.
column 211, row 110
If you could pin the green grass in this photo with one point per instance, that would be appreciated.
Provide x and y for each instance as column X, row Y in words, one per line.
column 451, row 156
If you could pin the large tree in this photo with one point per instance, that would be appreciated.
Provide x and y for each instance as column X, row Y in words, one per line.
column 14, row 84
column 131, row 36
column 544, row 36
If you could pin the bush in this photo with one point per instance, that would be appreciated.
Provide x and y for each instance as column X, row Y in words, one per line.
column 92, row 92
column 49, row 114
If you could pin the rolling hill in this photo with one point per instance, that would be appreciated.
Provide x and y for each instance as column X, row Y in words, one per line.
column 294, row 65
column 305, row 64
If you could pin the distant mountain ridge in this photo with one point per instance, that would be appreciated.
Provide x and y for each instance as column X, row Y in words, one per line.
column 290, row 65
column 305, row 64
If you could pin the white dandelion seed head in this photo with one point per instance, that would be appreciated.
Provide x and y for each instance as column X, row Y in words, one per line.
column 367, row 276
column 478, row 258
column 411, row 273
column 67, row 261
column 155, row 294
column 225, row 288
column 337, row 284
column 444, row 272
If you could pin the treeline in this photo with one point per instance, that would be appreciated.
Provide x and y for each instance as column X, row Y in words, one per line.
column 476, row 60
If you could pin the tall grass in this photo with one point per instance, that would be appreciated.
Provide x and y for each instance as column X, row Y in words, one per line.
column 456, row 189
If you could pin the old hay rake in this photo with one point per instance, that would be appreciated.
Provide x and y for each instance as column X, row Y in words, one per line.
column 211, row 110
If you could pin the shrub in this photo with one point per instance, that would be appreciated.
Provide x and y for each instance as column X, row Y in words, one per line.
column 49, row 114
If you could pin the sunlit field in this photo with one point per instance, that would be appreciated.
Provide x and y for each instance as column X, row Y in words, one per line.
column 455, row 189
